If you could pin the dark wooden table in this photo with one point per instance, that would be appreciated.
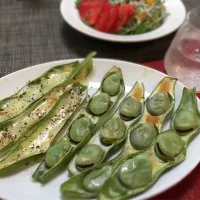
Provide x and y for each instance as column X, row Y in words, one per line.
column 33, row 31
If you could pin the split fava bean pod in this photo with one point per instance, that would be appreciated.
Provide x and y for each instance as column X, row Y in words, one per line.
column 111, row 134
column 140, row 171
column 13, row 131
column 96, row 112
column 158, row 106
column 88, row 183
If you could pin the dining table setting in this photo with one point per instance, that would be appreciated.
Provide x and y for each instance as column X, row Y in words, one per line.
column 99, row 99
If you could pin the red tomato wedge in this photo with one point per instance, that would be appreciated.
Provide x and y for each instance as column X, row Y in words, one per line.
column 123, row 16
column 90, row 10
column 125, row 13
column 111, row 25
column 103, row 20
column 95, row 13
column 89, row 1
column 84, row 11
column 104, row 16
column 132, row 8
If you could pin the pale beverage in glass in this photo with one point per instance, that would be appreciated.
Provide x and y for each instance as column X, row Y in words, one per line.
column 182, row 60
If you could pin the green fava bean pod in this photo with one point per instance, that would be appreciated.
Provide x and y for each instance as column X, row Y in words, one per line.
column 163, row 92
column 95, row 179
column 143, row 134
column 154, row 123
column 111, row 134
column 56, row 152
column 87, row 184
column 186, row 119
column 100, row 104
column 167, row 151
column 84, row 125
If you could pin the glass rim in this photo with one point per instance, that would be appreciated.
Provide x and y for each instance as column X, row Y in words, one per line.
column 189, row 20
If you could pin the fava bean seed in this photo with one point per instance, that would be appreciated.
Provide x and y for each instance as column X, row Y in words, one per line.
column 113, row 130
column 111, row 84
column 142, row 136
column 158, row 104
column 100, row 104
column 136, row 172
column 57, row 152
column 169, row 145
column 80, row 128
column 185, row 120
column 89, row 155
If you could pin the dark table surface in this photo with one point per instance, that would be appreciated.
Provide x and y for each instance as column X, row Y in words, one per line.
column 33, row 31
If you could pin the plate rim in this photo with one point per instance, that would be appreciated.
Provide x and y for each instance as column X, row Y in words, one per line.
column 157, row 192
column 124, row 40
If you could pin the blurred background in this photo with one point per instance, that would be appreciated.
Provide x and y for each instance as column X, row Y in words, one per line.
column 33, row 31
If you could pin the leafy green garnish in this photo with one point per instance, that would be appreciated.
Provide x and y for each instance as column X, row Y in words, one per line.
column 141, row 28
column 77, row 3
column 145, row 19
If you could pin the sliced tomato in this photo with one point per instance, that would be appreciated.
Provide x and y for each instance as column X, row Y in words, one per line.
column 90, row 11
column 103, row 20
column 123, row 17
column 84, row 11
column 95, row 13
column 89, row 1
column 131, row 9
column 114, row 12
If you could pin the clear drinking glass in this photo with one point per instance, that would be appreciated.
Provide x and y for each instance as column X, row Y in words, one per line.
column 182, row 60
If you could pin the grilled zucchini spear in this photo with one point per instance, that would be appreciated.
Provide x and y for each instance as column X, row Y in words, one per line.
column 63, row 101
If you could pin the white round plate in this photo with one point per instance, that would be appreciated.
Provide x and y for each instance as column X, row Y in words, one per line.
column 20, row 186
column 175, row 8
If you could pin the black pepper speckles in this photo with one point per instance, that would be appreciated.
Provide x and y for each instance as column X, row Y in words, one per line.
column 41, row 139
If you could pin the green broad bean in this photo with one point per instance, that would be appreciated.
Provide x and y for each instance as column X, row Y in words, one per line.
column 80, row 128
column 130, row 108
column 158, row 104
column 89, row 156
column 100, row 104
column 136, row 172
column 96, row 178
column 185, row 120
column 169, row 145
column 113, row 130
column 57, row 152
column 142, row 136
column 111, row 84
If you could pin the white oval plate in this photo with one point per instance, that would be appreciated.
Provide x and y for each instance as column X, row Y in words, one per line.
column 20, row 186
column 175, row 8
